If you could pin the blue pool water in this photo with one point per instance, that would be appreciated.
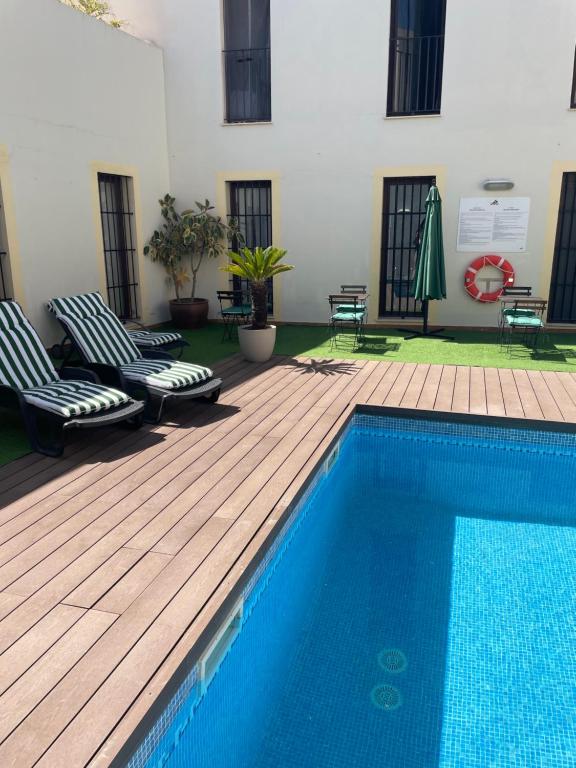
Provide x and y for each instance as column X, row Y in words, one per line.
column 420, row 611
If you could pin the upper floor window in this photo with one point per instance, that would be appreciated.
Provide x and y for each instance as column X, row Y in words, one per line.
column 5, row 277
column 247, row 60
column 416, row 57
column 573, row 96
column 117, row 215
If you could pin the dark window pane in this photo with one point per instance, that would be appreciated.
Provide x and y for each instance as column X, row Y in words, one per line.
column 119, row 244
column 5, row 284
column 416, row 57
column 247, row 60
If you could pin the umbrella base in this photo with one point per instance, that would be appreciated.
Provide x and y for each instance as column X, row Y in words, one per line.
column 435, row 334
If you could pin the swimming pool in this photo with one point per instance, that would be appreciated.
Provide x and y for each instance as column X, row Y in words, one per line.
column 418, row 609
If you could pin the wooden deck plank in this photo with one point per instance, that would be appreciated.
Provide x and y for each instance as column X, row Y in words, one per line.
column 124, row 551
column 398, row 389
column 430, row 388
column 87, row 594
column 478, row 391
column 563, row 390
column 530, row 405
column 445, row 393
column 546, row 402
column 23, row 654
column 414, row 388
column 461, row 394
column 494, row 396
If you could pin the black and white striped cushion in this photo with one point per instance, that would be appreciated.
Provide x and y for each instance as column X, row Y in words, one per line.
column 95, row 329
column 150, row 339
column 24, row 362
column 166, row 374
column 74, row 398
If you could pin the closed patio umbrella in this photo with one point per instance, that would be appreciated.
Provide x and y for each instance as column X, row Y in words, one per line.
column 429, row 282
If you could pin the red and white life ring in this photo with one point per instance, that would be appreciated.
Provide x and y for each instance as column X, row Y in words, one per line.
column 491, row 260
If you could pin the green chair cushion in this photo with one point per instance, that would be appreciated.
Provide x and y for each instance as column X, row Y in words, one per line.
column 243, row 310
column 354, row 316
column 519, row 313
column 351, row 308
column 524, row 322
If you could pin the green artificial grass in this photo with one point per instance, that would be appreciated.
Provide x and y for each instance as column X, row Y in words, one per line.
column 557, row 352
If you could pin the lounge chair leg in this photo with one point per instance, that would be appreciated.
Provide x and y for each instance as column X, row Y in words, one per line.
column 55, row 446
column 152, row 412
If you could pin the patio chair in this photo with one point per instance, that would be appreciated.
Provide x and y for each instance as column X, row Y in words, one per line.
column 46, row 400
column 235, row 310
column 346, row 312
column 527, row 320
column 356, row 290
column 106, row 348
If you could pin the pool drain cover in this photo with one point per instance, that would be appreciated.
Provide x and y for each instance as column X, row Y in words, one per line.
column 392, row 660
column 386, row 697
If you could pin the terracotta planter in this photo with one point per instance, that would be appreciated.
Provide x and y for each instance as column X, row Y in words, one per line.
column 257, row 346
column 189, row 313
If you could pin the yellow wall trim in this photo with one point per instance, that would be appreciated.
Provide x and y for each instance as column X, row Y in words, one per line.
column 380, row 174
column 120, row 170
column 222, row 205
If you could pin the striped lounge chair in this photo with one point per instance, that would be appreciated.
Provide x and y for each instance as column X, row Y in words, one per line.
column 106, row 348
column 48, row 402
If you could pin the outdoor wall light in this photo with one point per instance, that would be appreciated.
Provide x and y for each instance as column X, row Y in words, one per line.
column 497, row 184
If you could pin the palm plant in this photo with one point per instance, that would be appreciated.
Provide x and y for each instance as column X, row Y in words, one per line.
column 257, row 267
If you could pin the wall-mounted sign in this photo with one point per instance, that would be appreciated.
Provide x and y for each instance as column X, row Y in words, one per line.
column 493, row 224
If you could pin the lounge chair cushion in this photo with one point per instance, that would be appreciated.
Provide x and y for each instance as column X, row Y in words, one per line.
column 165, row 374
column 151, row 339
column 24, row 362
column 74, row 398
column 95, row 329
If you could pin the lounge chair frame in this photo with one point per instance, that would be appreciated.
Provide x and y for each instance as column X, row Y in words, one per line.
column 53, row 444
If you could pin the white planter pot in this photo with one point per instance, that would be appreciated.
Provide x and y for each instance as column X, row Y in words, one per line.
column 257, row 346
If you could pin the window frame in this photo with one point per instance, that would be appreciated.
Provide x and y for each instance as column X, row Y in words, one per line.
column 118, row 228
column 258, row 73
column 392, row 96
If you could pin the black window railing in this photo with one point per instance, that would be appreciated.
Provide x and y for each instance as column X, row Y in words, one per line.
column 415, row 75
column 119, row 240
column 247, row 83
column 4, row 289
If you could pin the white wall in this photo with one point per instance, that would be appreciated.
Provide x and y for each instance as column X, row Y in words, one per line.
column 75, row 92
column 507, row 78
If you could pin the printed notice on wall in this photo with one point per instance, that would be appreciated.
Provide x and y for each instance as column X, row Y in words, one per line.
column 497, row 224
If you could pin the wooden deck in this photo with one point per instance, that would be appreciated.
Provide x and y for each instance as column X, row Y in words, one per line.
column 114, row 559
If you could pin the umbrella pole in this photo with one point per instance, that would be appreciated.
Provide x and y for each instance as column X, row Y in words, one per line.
column 425, row 332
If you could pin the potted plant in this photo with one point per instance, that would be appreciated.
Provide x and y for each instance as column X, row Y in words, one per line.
column 181, row 245
column 257, row 267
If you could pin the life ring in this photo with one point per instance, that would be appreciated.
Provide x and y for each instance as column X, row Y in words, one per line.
column 491, row 260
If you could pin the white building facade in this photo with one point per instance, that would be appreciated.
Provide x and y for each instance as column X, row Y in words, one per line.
column 320, row 125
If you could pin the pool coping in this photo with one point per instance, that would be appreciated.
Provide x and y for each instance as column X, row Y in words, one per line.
column 220, row 612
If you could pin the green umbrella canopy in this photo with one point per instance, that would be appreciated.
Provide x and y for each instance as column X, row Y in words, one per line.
column 429, row 278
